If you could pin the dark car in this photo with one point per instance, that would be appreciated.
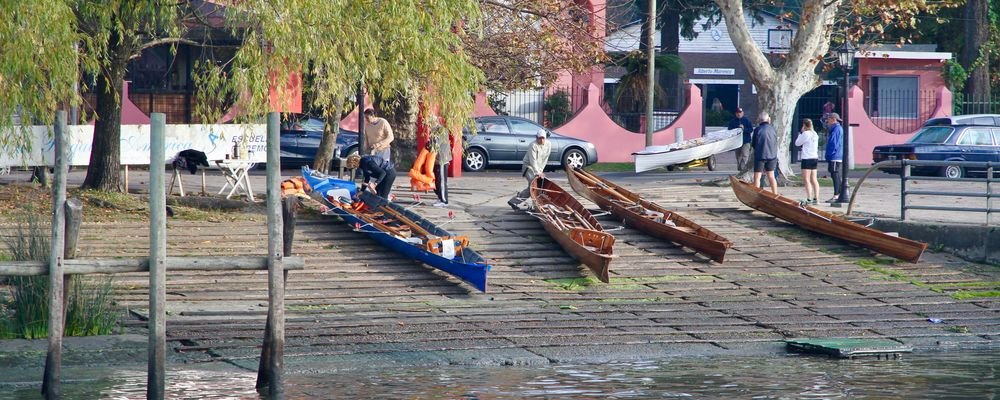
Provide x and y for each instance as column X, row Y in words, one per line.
column 960, row 138
column 300, row 137
column 504, row 140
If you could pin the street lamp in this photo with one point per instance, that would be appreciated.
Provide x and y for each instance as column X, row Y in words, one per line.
column 845, row 55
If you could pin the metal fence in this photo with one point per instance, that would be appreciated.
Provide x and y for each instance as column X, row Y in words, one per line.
column 964, row 104
column 900, row 111
column 531, row 104
column 949, row 200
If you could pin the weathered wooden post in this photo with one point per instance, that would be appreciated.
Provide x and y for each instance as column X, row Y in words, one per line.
column 53, row 360
column 156, row 352
column 289, row 206
column 275, row 271
column 74, row 217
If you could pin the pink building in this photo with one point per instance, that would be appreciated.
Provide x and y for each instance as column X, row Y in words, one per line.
column 897, row 89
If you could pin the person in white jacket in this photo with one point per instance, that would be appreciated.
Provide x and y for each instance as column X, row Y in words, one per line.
column 809, row 141
column 533, row 165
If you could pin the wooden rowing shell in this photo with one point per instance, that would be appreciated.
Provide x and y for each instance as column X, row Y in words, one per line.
column 647, row 216
column 826, row 223
column 573, row 227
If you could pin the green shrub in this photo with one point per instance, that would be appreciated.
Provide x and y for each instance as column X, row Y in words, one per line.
column 24, row 310
column 717, row 118
column 557, row 108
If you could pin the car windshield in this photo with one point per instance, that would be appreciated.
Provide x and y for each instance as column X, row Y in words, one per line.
column 932, row 135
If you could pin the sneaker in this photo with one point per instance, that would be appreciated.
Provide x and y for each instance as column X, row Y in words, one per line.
column 440, row 204
column 814, row 202
column 832, row 200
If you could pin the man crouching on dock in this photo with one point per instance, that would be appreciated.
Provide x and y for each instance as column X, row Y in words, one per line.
column 533, row 165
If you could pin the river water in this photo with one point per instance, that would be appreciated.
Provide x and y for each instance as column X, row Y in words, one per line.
column 966, row 375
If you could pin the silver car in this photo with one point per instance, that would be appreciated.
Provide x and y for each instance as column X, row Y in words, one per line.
column 504, row 140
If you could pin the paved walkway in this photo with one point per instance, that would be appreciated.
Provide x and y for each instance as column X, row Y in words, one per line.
column 358, row 303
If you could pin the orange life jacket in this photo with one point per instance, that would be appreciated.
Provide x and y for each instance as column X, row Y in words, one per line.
column 422, row 173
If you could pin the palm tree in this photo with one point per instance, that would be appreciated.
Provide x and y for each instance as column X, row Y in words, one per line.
column 629, row 99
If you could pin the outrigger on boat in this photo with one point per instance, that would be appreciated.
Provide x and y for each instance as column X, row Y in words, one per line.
column 573, row 227
column 828, row 224
column 647, row 216
column 697, row 150
column 400, row 229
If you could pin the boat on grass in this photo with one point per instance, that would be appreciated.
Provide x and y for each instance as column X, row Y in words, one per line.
column 713, row 143
column 573, row 227
column 400, row 229
column 826, row 223
column 647, row 216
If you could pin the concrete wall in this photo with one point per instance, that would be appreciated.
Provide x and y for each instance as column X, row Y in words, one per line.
column 866, row 135
column 616, row 144
column 973, row 242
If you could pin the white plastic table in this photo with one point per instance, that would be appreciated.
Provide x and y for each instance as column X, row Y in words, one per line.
column 237, row 178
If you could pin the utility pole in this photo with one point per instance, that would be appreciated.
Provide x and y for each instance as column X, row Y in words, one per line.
column 650, row 73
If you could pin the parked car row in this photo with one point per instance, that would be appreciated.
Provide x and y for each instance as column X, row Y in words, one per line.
column 960, row 138
column 501, row 140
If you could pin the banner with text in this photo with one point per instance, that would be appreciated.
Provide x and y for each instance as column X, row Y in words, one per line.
column 218, row 142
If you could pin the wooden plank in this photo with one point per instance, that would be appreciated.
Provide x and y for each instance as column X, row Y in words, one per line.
column 115, row 266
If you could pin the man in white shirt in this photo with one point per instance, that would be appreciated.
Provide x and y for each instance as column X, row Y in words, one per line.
column 533, row 165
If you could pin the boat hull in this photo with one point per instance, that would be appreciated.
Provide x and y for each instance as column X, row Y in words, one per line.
column 828, row 224
column 662, row 156
column 684, row 231
column 587, row 243
column 468, row 265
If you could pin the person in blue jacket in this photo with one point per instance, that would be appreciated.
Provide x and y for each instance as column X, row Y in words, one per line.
column 743, row 152
column 765, row 152
column 834, row 153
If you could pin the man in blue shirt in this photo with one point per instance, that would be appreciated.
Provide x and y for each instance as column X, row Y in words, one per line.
column 834, row 153
column 379, row 174
column 742, row 153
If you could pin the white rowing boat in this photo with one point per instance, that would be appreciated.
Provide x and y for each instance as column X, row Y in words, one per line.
column 713, row 143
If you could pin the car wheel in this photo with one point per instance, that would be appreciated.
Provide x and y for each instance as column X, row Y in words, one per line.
column 952, row 172
column 711, row 163
column 474, row 160
column 574, row 158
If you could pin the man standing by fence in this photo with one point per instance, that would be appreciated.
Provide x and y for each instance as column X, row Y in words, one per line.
column 834, row 153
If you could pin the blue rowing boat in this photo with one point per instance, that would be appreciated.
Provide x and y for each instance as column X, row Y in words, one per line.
column 399, row 229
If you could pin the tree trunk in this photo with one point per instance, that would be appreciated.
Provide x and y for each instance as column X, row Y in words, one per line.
column 977, row 30
column 642, row 12
column 104, row 171
column 402, row 116
column 324, row 155
column 670, row 29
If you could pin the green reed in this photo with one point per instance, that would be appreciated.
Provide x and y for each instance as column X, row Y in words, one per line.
column 24, row 300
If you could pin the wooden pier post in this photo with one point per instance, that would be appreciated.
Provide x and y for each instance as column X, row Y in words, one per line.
column 53, row 360
column 274, row 335
column 156, row 370
column 289, row 207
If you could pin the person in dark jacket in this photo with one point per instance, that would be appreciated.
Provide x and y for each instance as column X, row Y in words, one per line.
column 834, row 153
column 765, row 152
column 742, row 153
column 378, row 173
